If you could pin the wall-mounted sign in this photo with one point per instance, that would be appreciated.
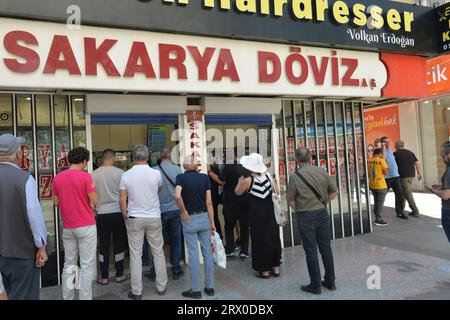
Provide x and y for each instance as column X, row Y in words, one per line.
column 380, row 122
column 438, row 75
column 48, row 55
column 443, row 27
column 360, row 24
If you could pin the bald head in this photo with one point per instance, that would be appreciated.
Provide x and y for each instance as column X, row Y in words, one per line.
column 303, row 155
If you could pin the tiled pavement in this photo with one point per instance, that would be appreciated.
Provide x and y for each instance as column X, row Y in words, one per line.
column 413, row 257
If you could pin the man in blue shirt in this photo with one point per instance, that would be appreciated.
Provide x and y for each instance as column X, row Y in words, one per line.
column 170, row 213
column 393, row 178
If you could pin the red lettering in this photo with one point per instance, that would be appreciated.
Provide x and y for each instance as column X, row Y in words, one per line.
column 202, row 61
column 45, row 183
column 94, row 56
column 166, row 62
column 11, row 45
column 319, row 73
column 226, row 66
column 194, row 126
column 194, row 135
column 61, row 45
column 139, row 52
column 44, row 150
column 351, row 65
column 25, row 161
column 334, row 69
column 291, row 59
column 195, row 145
column 263, row 59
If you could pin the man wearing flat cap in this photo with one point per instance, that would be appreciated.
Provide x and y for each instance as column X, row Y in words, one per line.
column 23, row 234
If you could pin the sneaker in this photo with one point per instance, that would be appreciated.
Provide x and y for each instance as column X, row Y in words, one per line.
column 381, row 223
column 331, row 287
column 133, row 296
column 209, row 291
column 192, row 294
column 311, row 289
column 244, row 256
column 230, row 256
column 415, row 215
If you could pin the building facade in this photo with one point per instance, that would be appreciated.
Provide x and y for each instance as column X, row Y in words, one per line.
column 182, row 74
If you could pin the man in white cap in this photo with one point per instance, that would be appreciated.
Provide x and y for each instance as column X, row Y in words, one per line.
column 23, row 234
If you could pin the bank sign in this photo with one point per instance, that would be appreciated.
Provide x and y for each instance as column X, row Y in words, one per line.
column 51, row 56
column 375, row 25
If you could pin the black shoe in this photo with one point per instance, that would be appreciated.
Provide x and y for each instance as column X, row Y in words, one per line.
column 415, row 215
column 310, row 289
column 230, row 256
column 381, row 223
column 133, row 296
column 209, row 291
column 192, row 294
column 402, row 216
column 161, row 293
column 331, row 287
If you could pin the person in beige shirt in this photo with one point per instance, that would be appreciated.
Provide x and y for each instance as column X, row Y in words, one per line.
column 309, row 191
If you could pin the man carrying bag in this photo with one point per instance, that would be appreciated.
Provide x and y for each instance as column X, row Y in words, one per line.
column 309, row 191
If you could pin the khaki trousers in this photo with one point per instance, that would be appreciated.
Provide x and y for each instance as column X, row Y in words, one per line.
column 408, row 195
column 151, row 228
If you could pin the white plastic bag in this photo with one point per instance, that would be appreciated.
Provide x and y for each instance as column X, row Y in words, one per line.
column 218, row 250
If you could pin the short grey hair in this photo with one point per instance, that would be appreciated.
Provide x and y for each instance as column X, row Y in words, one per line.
column 399, row 144
column 303, row 155
column 166, row 154
column 446, row 147
column 140, row 153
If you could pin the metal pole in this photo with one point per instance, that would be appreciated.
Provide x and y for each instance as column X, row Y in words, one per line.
column 347, row 165
column 338, row 169
column 325, row 133
column 286, row 169
column 366, row 174
column 358, row 184
column 14, row 114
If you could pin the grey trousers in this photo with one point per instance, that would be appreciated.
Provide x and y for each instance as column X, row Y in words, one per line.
column 151, row 228
column 79, row 243
column 20, row 278
column 408, row 195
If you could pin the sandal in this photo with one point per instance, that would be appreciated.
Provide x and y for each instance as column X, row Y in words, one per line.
column 276, row 274
column 103, row 282
column 122, row 278
column 262, row 275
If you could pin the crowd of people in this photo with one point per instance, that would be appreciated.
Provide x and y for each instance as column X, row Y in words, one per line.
column 392, row 170
column 134, row 207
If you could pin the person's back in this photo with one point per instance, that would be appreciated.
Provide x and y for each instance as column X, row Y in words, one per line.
column 167, row 194
column 107, row 180
column 320, row 180
column 72, row 187
column 230, row 176
column 142, row 184
column 376, row 168
column 406, row 161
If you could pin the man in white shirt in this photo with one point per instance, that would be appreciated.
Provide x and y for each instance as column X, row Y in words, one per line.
column 140, row 185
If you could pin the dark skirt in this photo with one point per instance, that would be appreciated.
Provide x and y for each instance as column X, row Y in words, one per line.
column 265, row 233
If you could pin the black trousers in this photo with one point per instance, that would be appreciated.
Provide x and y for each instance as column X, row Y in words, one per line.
column 216, row 218
column 232, row 214
column 20, row 278
column 315, row 231
column 396, row 185
column 108, row 225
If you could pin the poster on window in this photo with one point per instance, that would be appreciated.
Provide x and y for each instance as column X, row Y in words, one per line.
column 380, row 122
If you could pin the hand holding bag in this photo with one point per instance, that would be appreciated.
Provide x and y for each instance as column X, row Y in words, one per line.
column 280, row 216
column 218, row 250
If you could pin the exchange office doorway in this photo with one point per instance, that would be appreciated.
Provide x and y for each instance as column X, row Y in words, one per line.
column 249, row 133
column 122, row 132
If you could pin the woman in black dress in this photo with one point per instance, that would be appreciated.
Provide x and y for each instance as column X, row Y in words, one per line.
column 264, row 230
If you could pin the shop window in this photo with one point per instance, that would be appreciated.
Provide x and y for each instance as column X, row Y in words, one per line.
column 6, row 114
column 25, row 130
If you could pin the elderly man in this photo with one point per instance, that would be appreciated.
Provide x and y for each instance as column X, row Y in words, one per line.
column 443, row 190
column 23, row 234
column 309, row 191
column 142, row 214
column 407, row 165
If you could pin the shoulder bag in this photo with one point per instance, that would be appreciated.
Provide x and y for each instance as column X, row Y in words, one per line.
column 316, row 193
column 280, row 216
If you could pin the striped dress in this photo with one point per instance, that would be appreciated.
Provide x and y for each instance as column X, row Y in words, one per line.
column 266, row 244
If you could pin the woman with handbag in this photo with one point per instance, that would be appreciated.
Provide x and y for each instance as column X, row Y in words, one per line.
column 264, row 230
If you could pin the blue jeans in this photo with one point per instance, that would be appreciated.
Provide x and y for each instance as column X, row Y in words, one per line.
column 198, row 229
column 315, row 231
column 172, row 221
column 446, row 222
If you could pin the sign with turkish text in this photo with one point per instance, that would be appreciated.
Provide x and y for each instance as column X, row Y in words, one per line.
column 443, row 26
column 381, row 122
column 381, row 24
column 50, row 56
column 438, row 75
